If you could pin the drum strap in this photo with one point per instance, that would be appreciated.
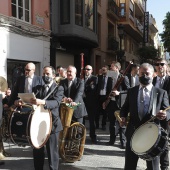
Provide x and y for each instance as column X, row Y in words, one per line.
column 154, row 105
column 50, row 92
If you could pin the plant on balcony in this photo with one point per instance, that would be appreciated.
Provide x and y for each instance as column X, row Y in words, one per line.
column 147, row 53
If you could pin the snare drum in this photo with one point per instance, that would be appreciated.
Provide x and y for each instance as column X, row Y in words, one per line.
column 30, row 126
column 149, row 141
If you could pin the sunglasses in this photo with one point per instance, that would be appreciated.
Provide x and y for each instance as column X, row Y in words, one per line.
column 27, row 70
column 87, row 69
column 159, row 64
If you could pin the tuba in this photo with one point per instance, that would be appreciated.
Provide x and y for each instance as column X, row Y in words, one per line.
column 72, row 138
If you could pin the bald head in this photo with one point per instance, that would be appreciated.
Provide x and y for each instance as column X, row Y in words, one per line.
column 29, row 69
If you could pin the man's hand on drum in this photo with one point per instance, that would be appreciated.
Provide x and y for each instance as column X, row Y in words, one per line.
column 37, row 101
column 123, row 122
column 161, row 115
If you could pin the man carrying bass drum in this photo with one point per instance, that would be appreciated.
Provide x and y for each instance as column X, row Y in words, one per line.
column 154, row 101
column 50, row 96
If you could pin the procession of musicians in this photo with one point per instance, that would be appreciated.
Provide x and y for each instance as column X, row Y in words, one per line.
column 134, row 101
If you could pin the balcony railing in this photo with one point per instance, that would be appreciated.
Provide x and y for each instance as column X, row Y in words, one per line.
column 113, row 7
column 113, row 44
column 139, row 25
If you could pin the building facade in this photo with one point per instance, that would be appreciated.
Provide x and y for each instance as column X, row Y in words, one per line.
column 24, row 36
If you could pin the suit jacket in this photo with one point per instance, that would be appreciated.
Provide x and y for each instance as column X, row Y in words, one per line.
column 108, row 85
column 131, row 105
column 20, row 86
column 129, row 77
column 166, row 87
column 52, row 103
column 90, row 97
column 76, row 94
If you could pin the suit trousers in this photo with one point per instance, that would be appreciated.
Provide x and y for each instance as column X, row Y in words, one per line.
column 91, row 111
column 52, row 153
column 101, row 99
column 111, row 108
column 131, row 160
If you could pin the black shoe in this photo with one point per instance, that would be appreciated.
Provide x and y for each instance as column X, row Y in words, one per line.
column 2, row 163
column 110, row 143
column 123, row 146
column 103, row 127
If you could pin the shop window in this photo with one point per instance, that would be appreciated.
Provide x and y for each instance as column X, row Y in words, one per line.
column 78, row 12
column 21, row 9
column 65, row 11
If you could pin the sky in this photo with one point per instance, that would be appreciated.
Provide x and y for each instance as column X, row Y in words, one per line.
column 158, row 9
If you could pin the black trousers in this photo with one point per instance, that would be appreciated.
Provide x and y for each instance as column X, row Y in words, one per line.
column 111, row 108
column 91, row 111
column 52, row 152
column 131, row 160
column 100, row 111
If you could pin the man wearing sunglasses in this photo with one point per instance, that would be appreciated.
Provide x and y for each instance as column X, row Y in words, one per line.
column 89, row 97
column 25, row 84
column 162, row 80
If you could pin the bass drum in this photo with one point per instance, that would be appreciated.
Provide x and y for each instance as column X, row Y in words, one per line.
column 30, row 126
column 149, row 141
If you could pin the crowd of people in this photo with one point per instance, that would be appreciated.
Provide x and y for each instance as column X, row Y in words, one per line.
column 147, row 95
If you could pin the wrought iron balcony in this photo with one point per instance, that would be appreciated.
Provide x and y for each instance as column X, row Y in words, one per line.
column 113, row 44
column 113, row 9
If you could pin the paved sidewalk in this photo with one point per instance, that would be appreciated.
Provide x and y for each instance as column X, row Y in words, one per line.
column 95, row 157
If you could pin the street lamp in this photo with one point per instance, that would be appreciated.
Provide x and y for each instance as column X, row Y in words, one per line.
column 121, row 52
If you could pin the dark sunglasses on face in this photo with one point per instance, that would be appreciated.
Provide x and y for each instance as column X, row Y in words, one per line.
column 27, row 70
column 87, row 69
column 159, row 64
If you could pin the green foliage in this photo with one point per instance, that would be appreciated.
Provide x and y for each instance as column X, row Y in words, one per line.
column 147, row 53
column 165, row 36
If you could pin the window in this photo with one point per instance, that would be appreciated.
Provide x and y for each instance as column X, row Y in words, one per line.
column 21, row 9
column 122, row 9
column 65, row 11
column 78, row 12
column 89, row 14
column 131, row 9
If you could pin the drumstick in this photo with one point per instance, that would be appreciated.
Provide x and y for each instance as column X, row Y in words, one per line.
column 154, row 117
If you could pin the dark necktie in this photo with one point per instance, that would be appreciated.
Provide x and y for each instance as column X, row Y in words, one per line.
column 46, row 89
column 103, row 83
column 69, row 87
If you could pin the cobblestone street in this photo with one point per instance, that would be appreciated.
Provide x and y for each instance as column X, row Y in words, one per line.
column 95, row 157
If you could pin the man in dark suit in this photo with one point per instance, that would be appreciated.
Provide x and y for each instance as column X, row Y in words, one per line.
column 143, row 102
column 114, row 105
column 52, row 103
column 25, row 84
column 104, row 88
column 90, row 99
column 162, row 80
column 133, row 75
column 73, row 93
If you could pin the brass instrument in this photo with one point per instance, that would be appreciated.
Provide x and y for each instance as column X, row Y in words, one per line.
column 72, row 138
column 4, row 125
column 117, row 115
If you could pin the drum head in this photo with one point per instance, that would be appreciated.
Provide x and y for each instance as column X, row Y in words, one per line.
column 40, row 127
column 144, row 138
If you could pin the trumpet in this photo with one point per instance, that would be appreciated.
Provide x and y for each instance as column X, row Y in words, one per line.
column 117, row 115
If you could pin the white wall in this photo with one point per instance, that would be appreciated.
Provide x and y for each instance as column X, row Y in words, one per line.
column 18, row 47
